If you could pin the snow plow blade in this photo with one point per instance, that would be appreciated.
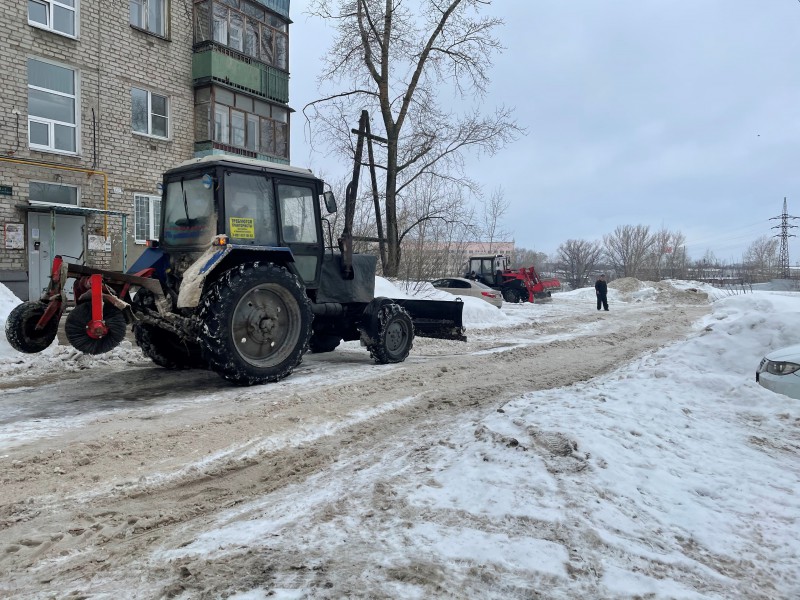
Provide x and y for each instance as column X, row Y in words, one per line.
column 441, row 319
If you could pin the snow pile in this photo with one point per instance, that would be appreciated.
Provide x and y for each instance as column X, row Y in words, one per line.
column 626, row 285
column 685, row 449
column 477, row 313
column 7, row 303
column 630, row 289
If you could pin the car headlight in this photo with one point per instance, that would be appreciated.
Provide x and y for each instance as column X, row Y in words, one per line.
column 779, row 367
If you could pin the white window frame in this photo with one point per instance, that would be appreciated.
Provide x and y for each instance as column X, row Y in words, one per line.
column 153, row 216
column 222, row 124
column 149, row 132
column 145, row 16
column 77, row 189
column 51, row 123
column 49, row 8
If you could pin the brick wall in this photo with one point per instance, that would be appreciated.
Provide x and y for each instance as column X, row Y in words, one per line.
column 111, row 58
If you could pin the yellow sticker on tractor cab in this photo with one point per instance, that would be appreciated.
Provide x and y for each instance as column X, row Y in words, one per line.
column 243, row 228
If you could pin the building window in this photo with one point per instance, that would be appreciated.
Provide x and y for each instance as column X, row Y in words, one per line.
column 150, row 15
column 221, row 124
column 54, row 15
column 52, row 107
column 242, row 121
column 149, row 113
column 53, row 193
column 147, row 217
column 247, row 27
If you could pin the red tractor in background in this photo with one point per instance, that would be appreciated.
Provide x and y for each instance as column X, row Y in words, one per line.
column 516, row 285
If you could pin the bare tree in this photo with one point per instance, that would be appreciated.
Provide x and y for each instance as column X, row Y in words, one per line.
column 392, row 57
column 627, row 247
column 434, row 245
column 494, row 209
column 524, row 257
column 677, row 262
column 666, row 257
column 761, row 258
column 576, row 259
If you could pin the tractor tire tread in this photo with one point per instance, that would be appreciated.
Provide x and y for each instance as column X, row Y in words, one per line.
column 19, row 328
column 377, row 348
column 221, row 296
column 165, row 349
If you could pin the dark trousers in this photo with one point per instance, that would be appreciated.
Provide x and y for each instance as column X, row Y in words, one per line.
column 601, row 299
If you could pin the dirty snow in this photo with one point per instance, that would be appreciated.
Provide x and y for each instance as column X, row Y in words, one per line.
column 672, row 475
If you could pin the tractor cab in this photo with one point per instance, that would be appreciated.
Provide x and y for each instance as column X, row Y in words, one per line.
column 488, row 269
column 273, row 209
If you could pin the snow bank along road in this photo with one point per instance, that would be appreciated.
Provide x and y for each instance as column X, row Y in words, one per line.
column 110, row 466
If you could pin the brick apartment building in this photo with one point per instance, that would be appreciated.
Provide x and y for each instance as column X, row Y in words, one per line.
column 99, row 97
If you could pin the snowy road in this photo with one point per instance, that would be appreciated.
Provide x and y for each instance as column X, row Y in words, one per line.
column 121, row 480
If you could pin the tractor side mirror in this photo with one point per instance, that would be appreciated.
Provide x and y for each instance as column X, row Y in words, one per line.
column 330, row 202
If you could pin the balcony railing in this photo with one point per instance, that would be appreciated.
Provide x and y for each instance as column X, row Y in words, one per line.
column 212, row 62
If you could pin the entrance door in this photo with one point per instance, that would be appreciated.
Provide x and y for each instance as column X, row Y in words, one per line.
column 69, row 244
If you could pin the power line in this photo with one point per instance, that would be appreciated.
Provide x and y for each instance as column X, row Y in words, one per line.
column 730, row 237
column 783, row 259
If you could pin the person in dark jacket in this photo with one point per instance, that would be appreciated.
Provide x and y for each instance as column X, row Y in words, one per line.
column 601, row 289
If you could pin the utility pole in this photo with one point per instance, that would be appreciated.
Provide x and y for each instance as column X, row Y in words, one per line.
column 783, row 259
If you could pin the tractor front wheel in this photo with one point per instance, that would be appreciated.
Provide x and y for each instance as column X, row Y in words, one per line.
column 393, row 336
column 256, row 324
column 21, row 329
column 510, row 295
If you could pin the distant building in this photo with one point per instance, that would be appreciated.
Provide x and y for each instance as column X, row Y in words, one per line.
column 99, row 98
column 506, row 248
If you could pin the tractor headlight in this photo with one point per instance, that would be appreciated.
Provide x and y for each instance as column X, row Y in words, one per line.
column 780, row 367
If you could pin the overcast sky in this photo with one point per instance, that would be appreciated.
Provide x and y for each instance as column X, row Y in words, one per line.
column 682, row 114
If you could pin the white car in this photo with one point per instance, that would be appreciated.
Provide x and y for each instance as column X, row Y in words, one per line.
column 459, row 286
column 779, row 371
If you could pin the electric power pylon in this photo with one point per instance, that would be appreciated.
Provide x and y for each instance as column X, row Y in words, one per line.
column 783, row 259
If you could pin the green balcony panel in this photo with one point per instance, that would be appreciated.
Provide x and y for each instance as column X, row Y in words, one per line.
column 254, row 77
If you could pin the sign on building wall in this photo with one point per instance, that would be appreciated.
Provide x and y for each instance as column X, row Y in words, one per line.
column 5, row 190
column 14, row 235
column 99, row 243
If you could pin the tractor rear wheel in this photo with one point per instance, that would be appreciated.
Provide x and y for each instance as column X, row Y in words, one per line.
column 256, row 324
column 76, row 328
column 21, row 328
column 394, row 335
column 323, row 343
column 165, row 349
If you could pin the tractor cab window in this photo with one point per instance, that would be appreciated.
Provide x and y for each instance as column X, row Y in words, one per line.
column 298, row 224
column 482, row 266
column 189, row 216
column 250, row 209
